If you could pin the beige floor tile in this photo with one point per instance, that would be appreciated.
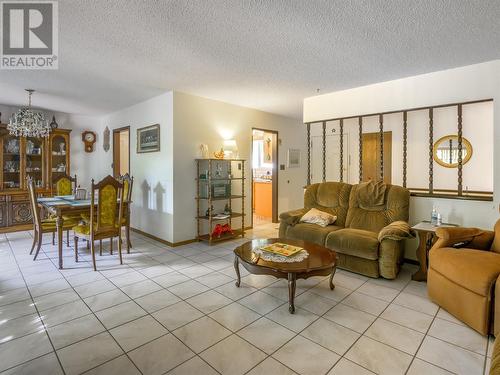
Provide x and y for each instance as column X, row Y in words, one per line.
column 88, row 353
column 140, row 289
column 331, row 335
column 266, row 335
column 64, row 313
column 170, row 279
column 443, row 314
column 346, row 367
column 137, row 332
column 201, row 333
column 157, row 300
column 209, row 301
column 17, row 309
column 337, row 294
column 416, row 287
column 177, row 315
column 52, row 300
column 107, row 299
column 450, row 357
column 349, row 317
column 416, row 303
column 295, row 322
column 378, row 357
column 13, row 328
column 15, row 295
column 378, row 291
column 419, row 367
column 305, row 357
column 271, row 366
column 47, row 364
column 188, row 289
column 234, row 316
column 365, row 303
column 407, row 317
column 214, row 279
column 94, row 288
column 348, row 281
column 395, row 335
column 160, row 355
column 459, row 335
column 243, row 356
column 75, row 330
column 258, row 281
column 314, row 303
column 261, row 302
column 195, row 366
column 119, row 314
column 118, row 366
column 15, row 352
column 235, row 293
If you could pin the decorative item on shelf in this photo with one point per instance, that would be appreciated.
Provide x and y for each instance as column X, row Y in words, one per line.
column 204, row 154
column 62, row 148
column 219, row 154
column 29, row 147
column 12, row 147
column 28, row 123
column 80, row 194
column 218, row 170
column 53, row 123
column 230, row 149
column 89, row 139
column 219, row 230
column 61, row 167
column 209, row 211
column 148, row 139
column 227, row 209
column 105, row 139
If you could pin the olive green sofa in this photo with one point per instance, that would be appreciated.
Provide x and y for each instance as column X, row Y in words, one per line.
column 362, row 211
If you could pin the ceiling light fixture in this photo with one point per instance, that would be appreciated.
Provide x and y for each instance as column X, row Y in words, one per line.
column 28, row 123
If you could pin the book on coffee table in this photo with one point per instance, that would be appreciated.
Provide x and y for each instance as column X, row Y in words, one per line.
column 281, row 249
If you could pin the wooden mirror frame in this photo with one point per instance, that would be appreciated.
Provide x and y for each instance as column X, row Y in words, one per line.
column 466, row 145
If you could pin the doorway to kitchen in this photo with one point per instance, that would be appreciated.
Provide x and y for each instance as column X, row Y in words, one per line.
column 121, row 151
column 264, row 177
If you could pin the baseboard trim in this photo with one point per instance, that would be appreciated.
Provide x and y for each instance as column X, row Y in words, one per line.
column 168, row 243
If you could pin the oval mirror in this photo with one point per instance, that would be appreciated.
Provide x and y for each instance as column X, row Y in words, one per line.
column 446, row 151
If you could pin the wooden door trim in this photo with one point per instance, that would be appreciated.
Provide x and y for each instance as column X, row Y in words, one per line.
column 115, row 131
column 274, row 180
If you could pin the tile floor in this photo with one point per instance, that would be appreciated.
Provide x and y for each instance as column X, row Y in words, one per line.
column 178, row 311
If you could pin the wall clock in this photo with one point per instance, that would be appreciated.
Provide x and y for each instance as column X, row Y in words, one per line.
column 88, row 139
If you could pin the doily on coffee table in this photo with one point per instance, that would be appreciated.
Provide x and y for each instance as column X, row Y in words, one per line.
column 270, row 257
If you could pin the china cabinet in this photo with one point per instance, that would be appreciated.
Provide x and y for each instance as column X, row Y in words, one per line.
column 42, row 159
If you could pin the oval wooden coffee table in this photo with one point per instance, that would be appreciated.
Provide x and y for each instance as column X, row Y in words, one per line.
column 320, row 262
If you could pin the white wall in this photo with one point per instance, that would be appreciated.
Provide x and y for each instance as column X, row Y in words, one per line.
column 152, row 208
column 481, row 81
column 199, row 120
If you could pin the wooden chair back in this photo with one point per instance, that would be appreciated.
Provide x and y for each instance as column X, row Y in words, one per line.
column 37, row 220
column 110, row 196
column 128, row 183
column 64, row 185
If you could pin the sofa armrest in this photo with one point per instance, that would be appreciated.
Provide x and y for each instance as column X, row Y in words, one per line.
column 397, row 230
column 292, row 217
column 474, row 237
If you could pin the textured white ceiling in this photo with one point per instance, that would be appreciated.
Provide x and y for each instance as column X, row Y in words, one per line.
column 262, row 54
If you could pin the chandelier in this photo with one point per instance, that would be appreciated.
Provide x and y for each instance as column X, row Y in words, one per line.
column 28, row 123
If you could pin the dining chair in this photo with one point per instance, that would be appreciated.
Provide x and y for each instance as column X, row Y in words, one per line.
column 105, row 223
column 64, row 185
column 128, row 183
column 41, row 226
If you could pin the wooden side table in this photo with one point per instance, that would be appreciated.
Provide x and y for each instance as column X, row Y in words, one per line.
column 426, row 237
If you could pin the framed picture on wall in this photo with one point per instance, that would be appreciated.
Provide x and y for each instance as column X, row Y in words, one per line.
column 293, row 158
column 148, row 139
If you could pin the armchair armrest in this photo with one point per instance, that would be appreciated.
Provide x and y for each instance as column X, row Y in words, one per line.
column 476, row 238
column 292, row 217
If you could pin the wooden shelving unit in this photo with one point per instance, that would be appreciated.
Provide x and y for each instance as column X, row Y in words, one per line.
column 216, row 180
column 38, row 158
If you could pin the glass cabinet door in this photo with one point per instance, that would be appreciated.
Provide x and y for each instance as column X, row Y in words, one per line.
column 11, row 167
column 58, row 155
column 34, row 161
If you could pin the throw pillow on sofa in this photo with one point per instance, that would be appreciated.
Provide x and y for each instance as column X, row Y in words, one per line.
column 315, row 216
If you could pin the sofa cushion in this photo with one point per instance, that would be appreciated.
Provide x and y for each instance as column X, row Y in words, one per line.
column 331, row 197
column 310, row 232
column 355, row 242
column 475, row 270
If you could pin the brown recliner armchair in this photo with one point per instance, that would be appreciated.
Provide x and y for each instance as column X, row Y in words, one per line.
column 464, row 265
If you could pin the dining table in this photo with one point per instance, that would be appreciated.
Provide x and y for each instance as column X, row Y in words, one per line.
column 65, row 205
